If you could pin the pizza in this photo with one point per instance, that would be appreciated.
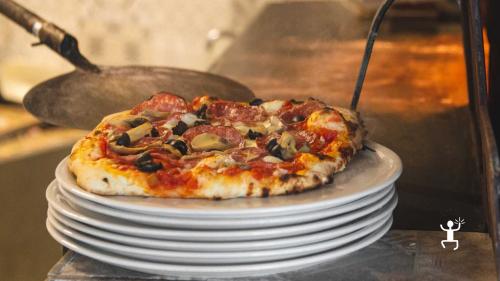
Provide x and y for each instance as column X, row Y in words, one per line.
column 217, row 149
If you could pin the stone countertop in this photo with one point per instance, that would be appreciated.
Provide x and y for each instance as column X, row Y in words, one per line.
column 399, row 255
column 22, row 135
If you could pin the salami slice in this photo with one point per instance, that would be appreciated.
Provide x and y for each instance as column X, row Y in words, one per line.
column 301, row 111
column 234, row 112
column 228, row 133
column 162, row 102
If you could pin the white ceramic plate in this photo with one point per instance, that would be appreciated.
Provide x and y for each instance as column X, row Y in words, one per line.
column 213, row 258
column 215, row 271
column 223, row 246
column 58, row 203
column 367, row 173
column 187, row 223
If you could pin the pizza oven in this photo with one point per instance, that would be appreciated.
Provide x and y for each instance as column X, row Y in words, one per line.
column 425, row 82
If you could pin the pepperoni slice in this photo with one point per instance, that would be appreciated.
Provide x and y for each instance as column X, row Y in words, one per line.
column 162, row 102
column 229, row 133
column 234, row 111
column 300, row 111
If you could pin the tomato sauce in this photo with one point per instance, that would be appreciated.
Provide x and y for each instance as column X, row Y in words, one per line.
column 260, row 169
column 233, row 171
column 292, row 167
column 103, row 145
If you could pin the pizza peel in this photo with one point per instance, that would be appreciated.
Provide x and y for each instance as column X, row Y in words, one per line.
column 81, row 98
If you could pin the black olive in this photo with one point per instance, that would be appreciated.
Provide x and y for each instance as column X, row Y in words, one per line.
column 123, row 140
column 179, row 145
column 137, row 122
column 256, row 102
column 272, row 143
column 201, row 122
column 253, row 135
column 145, row 163
column 146, row 157
column 180, row 128
column 274, row 148
column 154, row 133
column 298, row 118
column 276, row 151
column 149, row 167
column 294, row 101
column 202, row 112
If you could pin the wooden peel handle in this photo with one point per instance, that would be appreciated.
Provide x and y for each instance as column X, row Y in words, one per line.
column 49, row 34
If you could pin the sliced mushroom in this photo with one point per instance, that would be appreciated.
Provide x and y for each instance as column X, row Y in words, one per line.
column 250, row 143
column 271, row 159
column 287, row 143
column 305, row 149
column 139, row 132
column 124, row 150
column 207, row 141
column 126, row 120
column 155, row 114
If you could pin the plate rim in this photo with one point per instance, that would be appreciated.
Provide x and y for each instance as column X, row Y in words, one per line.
column 260, row 222
column 204, row 258
column 231, row 271
column 234, row 246
column 380, row 150
column 227, row 235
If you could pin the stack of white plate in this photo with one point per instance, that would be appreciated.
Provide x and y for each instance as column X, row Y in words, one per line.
column 229, row 238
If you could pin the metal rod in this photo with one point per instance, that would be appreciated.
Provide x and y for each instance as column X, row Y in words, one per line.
column 49, row 34
column 377, row 20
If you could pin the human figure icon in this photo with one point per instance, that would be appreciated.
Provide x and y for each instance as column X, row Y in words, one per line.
column 450, row 234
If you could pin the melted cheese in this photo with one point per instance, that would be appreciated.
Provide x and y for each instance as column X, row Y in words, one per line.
column 330, row 120
column 272, row 107
column 273, row 124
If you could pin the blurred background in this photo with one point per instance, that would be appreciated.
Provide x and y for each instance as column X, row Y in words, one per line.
column 280, row 49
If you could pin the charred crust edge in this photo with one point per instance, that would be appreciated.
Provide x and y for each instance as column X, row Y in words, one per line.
column 265, row 191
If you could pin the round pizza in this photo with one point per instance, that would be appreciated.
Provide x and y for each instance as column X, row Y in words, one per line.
column 217, row 149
